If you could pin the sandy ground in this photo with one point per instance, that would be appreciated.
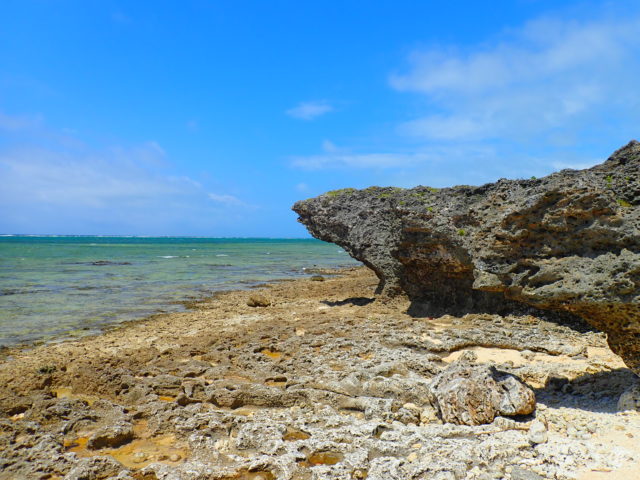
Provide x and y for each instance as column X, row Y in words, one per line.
column 152, row 399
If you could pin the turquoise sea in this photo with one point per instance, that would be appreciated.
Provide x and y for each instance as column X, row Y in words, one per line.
column 52, row 288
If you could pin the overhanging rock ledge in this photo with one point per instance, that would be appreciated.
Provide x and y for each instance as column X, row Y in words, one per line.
column 568, row 242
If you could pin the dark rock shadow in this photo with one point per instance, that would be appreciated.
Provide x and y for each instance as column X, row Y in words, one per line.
column 428, row 307
column 419, row 308
column 594, row 392
column 356, row 301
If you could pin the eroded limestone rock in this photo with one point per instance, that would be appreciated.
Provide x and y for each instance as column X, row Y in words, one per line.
column 257, row 300
column 474, row 395
column 111, row 436
column 630, row 399
column 215, row 396
column 567, row 242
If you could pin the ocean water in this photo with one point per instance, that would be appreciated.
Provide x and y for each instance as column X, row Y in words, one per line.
column 53, row 288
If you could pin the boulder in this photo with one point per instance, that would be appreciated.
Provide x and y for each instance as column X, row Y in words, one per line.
column 476, row 394
column 568, row 242
column 258, row 300
column 630, row 399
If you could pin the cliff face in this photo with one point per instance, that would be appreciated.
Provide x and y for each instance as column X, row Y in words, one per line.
column 567, row 242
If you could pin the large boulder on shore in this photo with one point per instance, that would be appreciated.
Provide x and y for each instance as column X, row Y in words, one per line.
column 477, row 394
column 567, row 242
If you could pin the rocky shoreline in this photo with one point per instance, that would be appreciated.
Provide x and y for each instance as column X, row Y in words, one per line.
column 327, row 381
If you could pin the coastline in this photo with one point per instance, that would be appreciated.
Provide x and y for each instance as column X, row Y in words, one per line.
column 53, row 288
column 272, row 391
column 7, row 351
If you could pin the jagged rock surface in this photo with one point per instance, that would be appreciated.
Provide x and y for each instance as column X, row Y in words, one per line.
column 567, row 242
column 477, row 394
column 321, row 385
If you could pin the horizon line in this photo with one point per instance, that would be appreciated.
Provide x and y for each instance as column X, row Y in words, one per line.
column 149, row 236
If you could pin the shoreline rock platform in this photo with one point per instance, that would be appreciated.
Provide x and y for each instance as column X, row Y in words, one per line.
column 325, row 381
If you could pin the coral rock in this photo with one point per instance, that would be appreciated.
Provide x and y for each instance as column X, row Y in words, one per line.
column 111, row 436
column 257, row 300
column 567, row 242
column 474, row 395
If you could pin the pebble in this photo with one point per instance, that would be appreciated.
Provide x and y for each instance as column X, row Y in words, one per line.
column 139, row 457
column 527, row 355
column 445, row 476
column 521, row 474
column 428, row 415
column 537, row 432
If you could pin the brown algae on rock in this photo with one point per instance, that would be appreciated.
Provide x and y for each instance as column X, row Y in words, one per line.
column 138, row 452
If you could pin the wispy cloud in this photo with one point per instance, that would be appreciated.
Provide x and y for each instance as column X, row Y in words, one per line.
column 548, row 75
column 310, row 110
column 62, row 187
column 334, row 157
column 363, row 160
column 580, row 165
column 553, row 93
column 14, row 123
column 97, row 179
column 225, row 199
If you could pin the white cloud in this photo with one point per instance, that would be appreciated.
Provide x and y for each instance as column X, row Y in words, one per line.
column 89, row 179
column 338, row 157
column 550, row 74
column 225, row 199
column 114, row 190
column 365, row 160
column 577, row 165
column 329, row 147
column 52, row 182
column 310, row 110
column 510, row 106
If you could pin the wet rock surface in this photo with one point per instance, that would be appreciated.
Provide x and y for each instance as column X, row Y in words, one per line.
column 326, row 383
column 111, row 436
column 568, row 242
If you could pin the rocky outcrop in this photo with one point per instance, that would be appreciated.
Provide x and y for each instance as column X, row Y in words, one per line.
column 567, row 242
column 476, row 394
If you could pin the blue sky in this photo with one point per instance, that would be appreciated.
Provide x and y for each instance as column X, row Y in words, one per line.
column 213, row 117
